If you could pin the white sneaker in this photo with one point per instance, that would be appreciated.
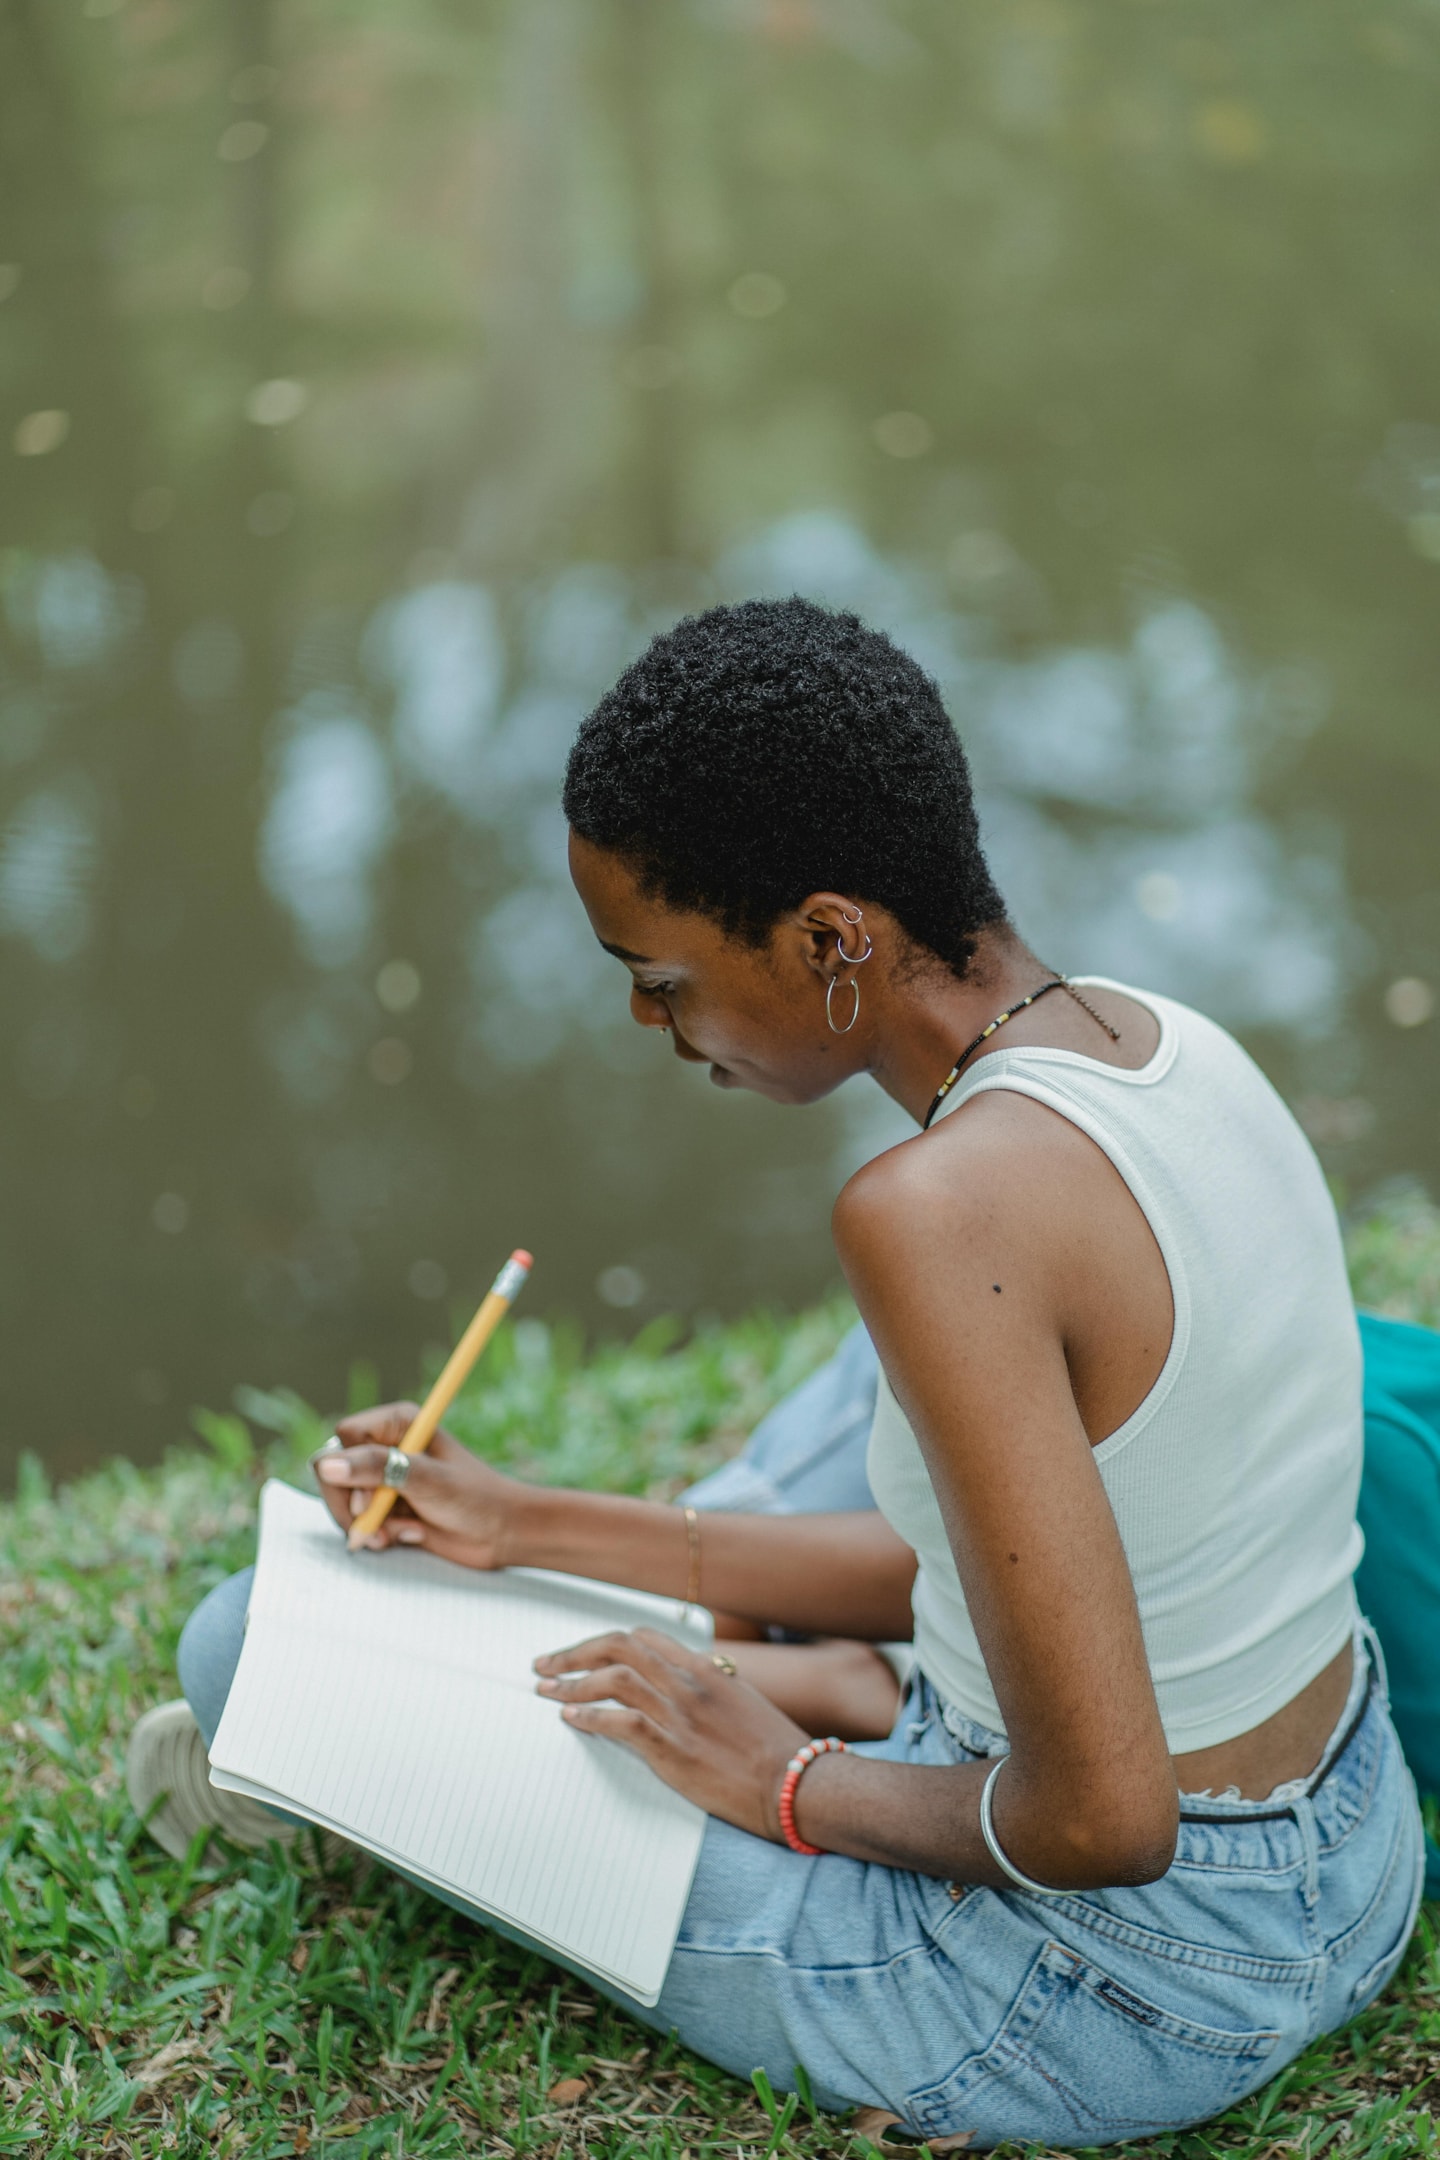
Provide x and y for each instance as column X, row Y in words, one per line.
column 167, row 1755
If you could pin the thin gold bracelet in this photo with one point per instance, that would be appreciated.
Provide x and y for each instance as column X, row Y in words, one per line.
column 692, row 1548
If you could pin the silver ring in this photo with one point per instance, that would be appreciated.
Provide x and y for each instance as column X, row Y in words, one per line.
column 397, row 1469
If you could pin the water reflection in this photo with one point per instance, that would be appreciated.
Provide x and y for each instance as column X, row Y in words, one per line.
column 327, row 826
column 440, row 648
column 369, row 401
column 1116, row 788
column 46, row 871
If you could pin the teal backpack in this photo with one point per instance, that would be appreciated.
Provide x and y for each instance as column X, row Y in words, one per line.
column 1398, row 1581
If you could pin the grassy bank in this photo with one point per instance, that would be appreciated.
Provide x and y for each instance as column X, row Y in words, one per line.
column 272, row 2008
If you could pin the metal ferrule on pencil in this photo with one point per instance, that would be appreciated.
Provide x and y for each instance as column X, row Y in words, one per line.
column 510, row 1280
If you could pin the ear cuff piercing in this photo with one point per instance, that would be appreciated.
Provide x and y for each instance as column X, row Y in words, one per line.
column 850, row 960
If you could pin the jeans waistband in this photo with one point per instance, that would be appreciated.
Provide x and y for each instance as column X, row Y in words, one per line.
column 979, row 1741
column 1282, row 1803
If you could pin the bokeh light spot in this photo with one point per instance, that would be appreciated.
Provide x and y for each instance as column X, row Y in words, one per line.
column 1424, row 531
column 756, row 294
column 241, row 140
column 1336, row 1120
column 41, row 432
column 1409, row 1002
column 1230, row 132
column 171, row 1213
column 397, row 985
column 1158, row 895
column 390, row 1061
column 620, row 1286
column 427, row 1279
column 904, row 434
column 9, row 279
column 277, row 402
column 977, row 557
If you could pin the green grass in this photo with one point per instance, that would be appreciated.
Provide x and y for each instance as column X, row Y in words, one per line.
column 264, row 2006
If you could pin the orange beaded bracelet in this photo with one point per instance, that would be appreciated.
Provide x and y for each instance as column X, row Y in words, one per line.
column 794, row 1770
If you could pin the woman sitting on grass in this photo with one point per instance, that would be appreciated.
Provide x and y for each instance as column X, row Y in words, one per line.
column 1140, row 1828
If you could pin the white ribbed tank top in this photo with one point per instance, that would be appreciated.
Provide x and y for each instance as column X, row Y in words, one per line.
column 1234, row 1483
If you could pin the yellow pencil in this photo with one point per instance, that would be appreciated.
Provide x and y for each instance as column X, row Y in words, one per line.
column 493, row 1307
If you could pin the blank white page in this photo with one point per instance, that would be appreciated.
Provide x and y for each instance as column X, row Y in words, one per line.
column 389, row 1696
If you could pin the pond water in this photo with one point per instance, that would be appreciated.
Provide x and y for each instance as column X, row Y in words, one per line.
column 376, row 381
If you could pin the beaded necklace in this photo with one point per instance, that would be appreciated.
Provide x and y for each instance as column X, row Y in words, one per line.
column 1056, row 982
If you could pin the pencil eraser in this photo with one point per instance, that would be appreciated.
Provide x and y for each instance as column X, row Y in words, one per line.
column 521, row 1258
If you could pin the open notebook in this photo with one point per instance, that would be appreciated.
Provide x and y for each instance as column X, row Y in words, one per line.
column 389, row 1696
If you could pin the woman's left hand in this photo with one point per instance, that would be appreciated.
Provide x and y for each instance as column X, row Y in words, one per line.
column 705, row 1732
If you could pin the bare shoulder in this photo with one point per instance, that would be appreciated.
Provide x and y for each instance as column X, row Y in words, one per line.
column 988, row 1163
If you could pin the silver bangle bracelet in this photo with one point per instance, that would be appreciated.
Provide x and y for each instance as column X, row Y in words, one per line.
column 993, row 1845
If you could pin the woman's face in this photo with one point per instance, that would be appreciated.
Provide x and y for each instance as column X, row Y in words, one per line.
column 755, row 1016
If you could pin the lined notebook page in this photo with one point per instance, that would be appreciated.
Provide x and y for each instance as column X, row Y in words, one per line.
column 389, row 1696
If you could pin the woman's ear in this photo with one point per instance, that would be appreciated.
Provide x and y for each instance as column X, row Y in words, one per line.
column 833, row 932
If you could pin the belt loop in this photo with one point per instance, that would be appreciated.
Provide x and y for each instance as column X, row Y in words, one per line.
column 1304, row 1811
column 1377, row 1659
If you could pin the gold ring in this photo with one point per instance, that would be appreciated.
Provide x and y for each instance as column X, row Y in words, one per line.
column 727, row 1665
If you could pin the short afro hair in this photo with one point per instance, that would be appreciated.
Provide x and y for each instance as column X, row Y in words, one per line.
column 755, row 754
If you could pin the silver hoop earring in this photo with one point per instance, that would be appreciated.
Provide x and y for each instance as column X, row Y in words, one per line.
column 830, row 1003
column 858, row 960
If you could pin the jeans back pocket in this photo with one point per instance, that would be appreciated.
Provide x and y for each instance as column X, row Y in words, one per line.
column 1083, row 2057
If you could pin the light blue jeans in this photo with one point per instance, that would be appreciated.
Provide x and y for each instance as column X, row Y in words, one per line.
column 1080, row 2019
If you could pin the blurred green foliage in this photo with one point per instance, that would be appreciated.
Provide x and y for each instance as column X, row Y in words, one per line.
column 1395, row 1259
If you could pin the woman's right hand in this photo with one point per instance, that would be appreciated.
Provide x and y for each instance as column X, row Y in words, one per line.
column 453, row 1504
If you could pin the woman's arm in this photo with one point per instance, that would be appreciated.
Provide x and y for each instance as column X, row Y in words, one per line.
column 983, row 1323
column 977, row 1265
column 826, row 1574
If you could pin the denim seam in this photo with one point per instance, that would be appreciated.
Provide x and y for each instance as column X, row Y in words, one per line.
column 1045, row 1976
column 1054, row 1970
column 1145, row 2125
column 1350, row 1805
column 1243, row 2060
column 1336, row 1949
column 1234, row 1870
column 1365, row 1989
column 1294, row 1971
column 1210, row 2040
column 926, row 1951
